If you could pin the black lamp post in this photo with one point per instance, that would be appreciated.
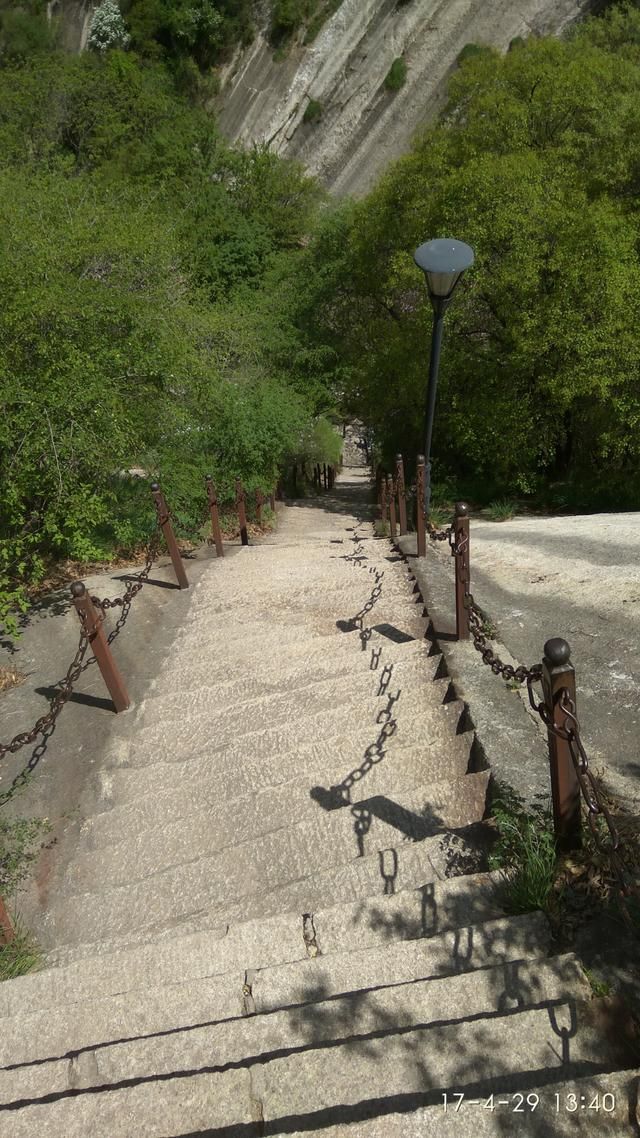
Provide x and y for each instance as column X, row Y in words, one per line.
column 443, row 263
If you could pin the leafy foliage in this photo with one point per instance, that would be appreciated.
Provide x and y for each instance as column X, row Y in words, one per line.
column 397, row 75
column 535, row 163
column 107, row 28
column 144, row 321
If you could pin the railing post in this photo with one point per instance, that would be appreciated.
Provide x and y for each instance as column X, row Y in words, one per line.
column 272, row 501
column 242, row 513
column 7, row 931
column 402, row 499
column 324, row 475
column 420, row 526
column 462, row 567
column 93, row 626
column 215, row 516
column 558, row 673
column 295, row 480
column 383, row 498
column 259, row 505
column 162, row 511
column 391, row 492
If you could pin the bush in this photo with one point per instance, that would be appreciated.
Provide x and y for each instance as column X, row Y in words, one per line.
column 313, row 111
column 107, row 28
column 397, row 75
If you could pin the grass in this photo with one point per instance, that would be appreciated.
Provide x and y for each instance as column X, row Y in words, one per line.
column 501, row 510
column 600, row 988
column 525, row 853
column 19, row 956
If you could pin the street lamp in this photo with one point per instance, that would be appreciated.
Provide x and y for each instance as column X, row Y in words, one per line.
column 443, row 263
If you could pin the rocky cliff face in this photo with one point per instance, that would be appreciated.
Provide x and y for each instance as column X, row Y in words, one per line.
column 363, row 126
column 74, row 17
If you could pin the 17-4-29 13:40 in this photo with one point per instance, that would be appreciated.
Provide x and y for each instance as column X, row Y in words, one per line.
column 521, row 1104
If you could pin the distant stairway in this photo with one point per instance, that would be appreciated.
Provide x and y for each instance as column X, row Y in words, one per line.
column 277, row 920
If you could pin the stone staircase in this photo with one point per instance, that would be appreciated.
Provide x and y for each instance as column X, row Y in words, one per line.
column 274, row 919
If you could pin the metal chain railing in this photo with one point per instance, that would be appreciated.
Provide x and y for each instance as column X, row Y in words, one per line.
column 46, row 722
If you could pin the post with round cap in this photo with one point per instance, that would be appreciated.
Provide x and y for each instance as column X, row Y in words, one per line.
column 461, row 554
column 216, row 533
column 391, row 494
column 164, row 521
column 383, row 498
column 402, row 498
column 558, row 675
column 242, row 512
column 420, row 511
column 443, row 262
column 93, row 627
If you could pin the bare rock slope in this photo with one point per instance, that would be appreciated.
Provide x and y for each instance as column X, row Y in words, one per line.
column 363, row 126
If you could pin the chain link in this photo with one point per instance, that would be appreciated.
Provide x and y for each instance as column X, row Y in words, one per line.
column 46, row 722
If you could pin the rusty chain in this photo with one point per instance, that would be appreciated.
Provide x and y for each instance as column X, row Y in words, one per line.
column 592, row 797
column 480, row 637
column 46, row 722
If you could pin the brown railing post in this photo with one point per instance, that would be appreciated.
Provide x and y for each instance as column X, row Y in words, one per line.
column 7, row 932
column 295, row 480
column 383, row 498
column 420, row 490
column 242, row 513
column 216, row 532
column 259, row 505
column 391, row 492
column 272, row 501
column 558, row 674
column 162, row 511
column 402, row 499
column 93, row 626
column 462, row 566
column 324, row 475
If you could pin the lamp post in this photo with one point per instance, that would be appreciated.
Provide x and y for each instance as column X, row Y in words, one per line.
column 443, row 263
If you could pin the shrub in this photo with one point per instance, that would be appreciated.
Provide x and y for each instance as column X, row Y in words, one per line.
column 107, row 28
column 313, row 111
column 397, row 75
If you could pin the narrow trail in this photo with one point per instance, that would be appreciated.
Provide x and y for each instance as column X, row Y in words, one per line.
column 277, row 921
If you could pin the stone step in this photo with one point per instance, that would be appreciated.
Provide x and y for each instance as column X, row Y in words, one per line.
column 421, row 812
column 281, row 872
column 259, row 809
column 571, row 1108
column 159, row 743
column 411, row 675
column 282, row 1002
column 291, row 1066
column 268, row 630
column 302, row 663
column 169, row 962
column 351, row 595
column 405, row 866
column 325, row 762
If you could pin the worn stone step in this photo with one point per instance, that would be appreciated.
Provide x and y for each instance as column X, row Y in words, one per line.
column 408, row 865
column 571, row 1108
column 159, row 742
column 269, row 630
column 418, row 813
column 301, row 663
column 437, row 753
column 294, row 1067
column 224, row 948
column 46, row 1070
column 410, row 675
column 259, row 809
column 408, row 989
column 152, row 1007
column 291, row 869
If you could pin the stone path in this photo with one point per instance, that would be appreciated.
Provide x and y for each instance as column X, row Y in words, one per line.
column 277, row 921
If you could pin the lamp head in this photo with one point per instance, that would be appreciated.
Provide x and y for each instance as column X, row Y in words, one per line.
column 443, row 262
